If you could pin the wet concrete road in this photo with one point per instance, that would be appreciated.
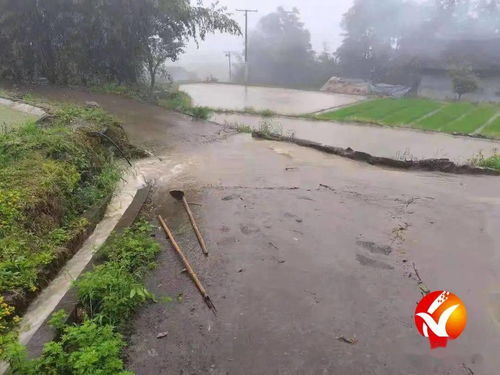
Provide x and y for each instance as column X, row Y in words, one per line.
column 295, row 265
column 279, row 100
column 395, row 143
column 305, row 248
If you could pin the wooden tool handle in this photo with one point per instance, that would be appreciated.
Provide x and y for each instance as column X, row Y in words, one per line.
column 195, row 227
column 183, row 257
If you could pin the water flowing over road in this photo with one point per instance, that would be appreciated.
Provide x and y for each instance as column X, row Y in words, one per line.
column 284, row 101
column 394, row 143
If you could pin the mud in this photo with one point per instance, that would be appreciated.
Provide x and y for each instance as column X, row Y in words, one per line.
column 284, row 268
column 279, row 100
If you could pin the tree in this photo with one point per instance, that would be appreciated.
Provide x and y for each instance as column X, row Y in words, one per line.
column 172, row 24
column 464, row 81
column 372, row 37
column 280, row 53
column 94, row 41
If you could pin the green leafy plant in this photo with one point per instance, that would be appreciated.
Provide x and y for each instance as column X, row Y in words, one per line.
column 492, row 162
column 134, row 250
column 109, row 293
column 58, row 320
column 89, row 348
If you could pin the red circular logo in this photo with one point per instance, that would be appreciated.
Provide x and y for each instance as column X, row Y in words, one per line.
column 440, row 316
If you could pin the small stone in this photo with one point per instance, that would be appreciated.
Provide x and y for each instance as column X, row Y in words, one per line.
column 92, row 104
column 162, row 335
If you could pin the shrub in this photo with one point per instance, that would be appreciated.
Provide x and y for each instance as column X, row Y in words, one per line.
column 464, row 81
column 85, row 349
column 110, row 294
column 491, row 162
column 199, row 112
column 134, row 251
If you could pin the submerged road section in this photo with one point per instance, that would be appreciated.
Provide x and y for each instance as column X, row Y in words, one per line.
column 382, row 141
column 313, row 258
column 279, row 100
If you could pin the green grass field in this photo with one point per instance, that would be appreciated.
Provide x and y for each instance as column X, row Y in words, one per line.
column 427, row 114
column 10, row 117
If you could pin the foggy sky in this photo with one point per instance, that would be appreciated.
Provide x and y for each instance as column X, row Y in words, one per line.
column 321, row 17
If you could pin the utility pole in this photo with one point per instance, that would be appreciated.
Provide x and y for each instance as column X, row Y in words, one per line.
column 246, row 39
column 228, row 55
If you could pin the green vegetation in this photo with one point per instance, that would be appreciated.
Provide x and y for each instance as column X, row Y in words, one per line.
column 444, row 117
column 491, row 162
column 427, row 114
column 108, row 295
column 464, row 80
column 51, row 176
column 176, row 100
column 116, row 41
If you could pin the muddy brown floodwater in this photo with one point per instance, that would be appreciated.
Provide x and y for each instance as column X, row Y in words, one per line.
column 306, row 248
column 279, row 100
column 383, row 141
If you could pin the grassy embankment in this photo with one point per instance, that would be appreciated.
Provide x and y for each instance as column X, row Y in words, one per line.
column 168, row 97
column 51, row 176
column 426, row 114
column 108, row 295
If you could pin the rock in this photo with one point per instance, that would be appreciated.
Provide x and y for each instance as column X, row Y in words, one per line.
column 90, row 104
column 162, row 335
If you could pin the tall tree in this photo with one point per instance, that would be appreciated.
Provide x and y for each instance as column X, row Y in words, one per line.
column 280, row 51
column 92, row 41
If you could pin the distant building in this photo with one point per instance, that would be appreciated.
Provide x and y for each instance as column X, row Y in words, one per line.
column 437, row 56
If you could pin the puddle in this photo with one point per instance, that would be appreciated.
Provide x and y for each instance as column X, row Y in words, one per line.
column 394, row 143
column 279, row 100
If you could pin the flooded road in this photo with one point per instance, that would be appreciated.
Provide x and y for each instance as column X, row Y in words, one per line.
column 395, row 143
column 279, row 100
column 306, row 248
column 294, row 238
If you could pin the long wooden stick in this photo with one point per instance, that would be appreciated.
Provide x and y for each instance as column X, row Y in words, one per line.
column 195, row 227
column 190, row 270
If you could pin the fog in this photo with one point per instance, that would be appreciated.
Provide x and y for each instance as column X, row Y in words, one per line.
column 321, row 17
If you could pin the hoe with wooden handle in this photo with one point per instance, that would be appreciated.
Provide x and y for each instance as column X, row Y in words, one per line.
column 189, row 269
column 179, row 195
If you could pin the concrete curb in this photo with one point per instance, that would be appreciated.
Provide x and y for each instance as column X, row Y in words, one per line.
column 439, row 165
column 69, row 301
column 23, row 107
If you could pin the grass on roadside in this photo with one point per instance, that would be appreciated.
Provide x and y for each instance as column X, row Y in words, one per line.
column 427, row 114
column 182, row 102
column 51, row 175
column 492, row 162
column 108, row 295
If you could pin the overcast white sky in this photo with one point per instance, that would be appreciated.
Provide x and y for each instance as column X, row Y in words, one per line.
column 321, row 17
